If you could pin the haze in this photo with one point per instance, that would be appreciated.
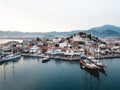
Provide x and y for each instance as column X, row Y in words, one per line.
column 57, row 15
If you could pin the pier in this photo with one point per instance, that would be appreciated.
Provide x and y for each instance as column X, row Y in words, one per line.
column 71, row 58
column 108, row 56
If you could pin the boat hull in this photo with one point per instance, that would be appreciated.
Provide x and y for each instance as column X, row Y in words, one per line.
column 10, row 58
column 82, row 62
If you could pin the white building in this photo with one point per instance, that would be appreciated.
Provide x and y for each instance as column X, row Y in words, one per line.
column 56, row 40
column 77, row 38
column 35, row 49
column 62, row 45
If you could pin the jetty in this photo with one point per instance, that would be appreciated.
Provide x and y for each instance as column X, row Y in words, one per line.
column 65, row 58
column 34, row 55
column 108, row 56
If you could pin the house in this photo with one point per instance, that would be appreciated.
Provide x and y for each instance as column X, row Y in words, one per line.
column 56, row 40
column 51, row 44
column 77, row 38
column 35, row 49
column 63, row 44
column 74, row 52
column 82, row 52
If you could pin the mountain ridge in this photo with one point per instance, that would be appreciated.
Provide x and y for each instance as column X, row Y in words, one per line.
column 105, row 30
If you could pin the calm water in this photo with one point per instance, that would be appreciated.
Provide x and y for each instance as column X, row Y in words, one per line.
column 32, row 74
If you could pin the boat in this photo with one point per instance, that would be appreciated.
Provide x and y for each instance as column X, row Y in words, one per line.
column 45, row 59
column 9, row 56
column 88, row 64
column 96, row 62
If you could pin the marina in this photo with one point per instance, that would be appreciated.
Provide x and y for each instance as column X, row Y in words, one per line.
column 59, row 45
column 61, row 62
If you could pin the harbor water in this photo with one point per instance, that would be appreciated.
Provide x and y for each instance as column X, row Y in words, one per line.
column 29, row 73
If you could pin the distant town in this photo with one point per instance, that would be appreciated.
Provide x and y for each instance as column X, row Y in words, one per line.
column 68, row 48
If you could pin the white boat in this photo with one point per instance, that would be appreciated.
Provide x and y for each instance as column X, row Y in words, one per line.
column 96, row 62
column 88, row 64
column 10, row 57
column 45, row 59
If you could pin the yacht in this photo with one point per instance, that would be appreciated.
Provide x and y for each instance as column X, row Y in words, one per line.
column 10, row 57
column 96, row 62
column 88, row 64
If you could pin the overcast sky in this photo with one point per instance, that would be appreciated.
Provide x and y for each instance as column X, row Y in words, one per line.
column 57, row 15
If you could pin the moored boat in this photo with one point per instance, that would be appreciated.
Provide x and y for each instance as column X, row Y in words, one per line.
column 10, row 57
column 45, row 59
column 88, row 64
column 96, row 62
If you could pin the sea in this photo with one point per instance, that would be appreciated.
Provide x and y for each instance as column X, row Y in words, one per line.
column 28, row 73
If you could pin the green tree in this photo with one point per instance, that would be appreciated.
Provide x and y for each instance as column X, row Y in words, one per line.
column 37, row 39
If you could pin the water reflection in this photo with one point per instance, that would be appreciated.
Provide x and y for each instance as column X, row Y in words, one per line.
column 7, row 62
column 5, row 65
column 27, row 74
column 13, row 67
column 103, row 71
column 90, row 82
column 58, row 61
column 45, row 61
column 4, row 74
column 25, row 58
column 31, row 58
column 94, row 73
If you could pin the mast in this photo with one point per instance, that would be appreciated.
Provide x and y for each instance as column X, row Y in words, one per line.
column 13, row 67
column 86, row 45
column 3, row 51
column 4, row 73
column 98, row 50
column 12, row 47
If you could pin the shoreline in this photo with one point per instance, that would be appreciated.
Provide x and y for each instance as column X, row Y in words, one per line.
column 72, row 59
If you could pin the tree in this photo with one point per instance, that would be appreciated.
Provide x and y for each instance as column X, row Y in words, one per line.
column 37, row 39
column 89, row 36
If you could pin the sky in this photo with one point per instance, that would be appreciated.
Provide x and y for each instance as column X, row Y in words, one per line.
column 57, row 15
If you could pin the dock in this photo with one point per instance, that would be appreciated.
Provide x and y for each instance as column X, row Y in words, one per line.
column 71, row 58
column 33, row 55
column 65, row 58
column 108, row 56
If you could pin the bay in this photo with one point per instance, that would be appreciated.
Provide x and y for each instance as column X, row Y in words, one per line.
column 29, row 73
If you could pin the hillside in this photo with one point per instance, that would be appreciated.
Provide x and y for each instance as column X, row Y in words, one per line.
column 104, row 31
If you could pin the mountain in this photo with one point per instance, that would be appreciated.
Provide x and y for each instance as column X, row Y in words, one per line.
column 104, row 31
column 106, row 27
column 15, row 34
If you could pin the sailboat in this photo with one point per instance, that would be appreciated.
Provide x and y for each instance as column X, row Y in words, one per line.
column 45, row 59
column 88, row 64
column 96, row 62
column 10, row 56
